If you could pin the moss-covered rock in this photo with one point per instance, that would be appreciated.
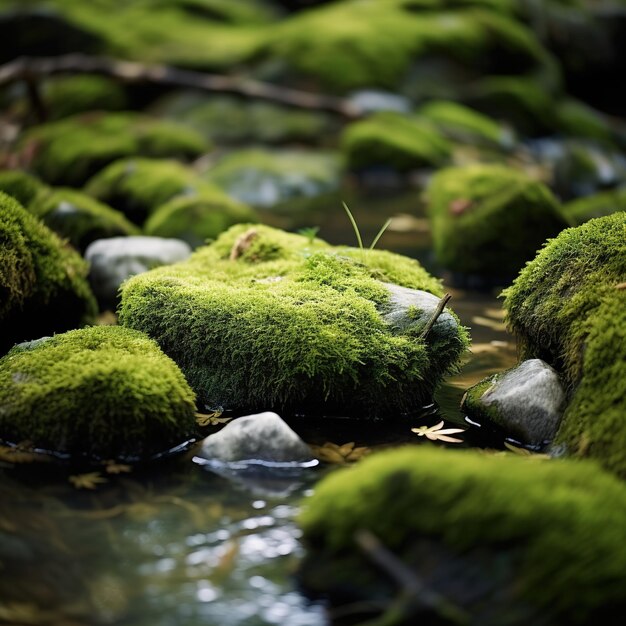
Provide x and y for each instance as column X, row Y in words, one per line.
column 462, row 124
column 268, row 178
column 401, row 142
column 43, row 286
column 106, row 392
column 69, row 95
column 488, row 220
column 79, row 218
column 21, row 185
column 568, row 306
column 137, row 187
column 351, row 44
column 69, row 151
column 197, row 218
column 265, row 319
column 229, row 120
column 598, row 205
column 493, row 540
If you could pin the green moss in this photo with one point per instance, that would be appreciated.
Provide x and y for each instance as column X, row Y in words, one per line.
column 505, row 539
column 105, row 392
column 522, row 101
column 268, row 178
column 549, row 303
column 79, row 218
column 460, row 123
column 598, row 205
column 290, row 323
column 69, row 95
column 69, row 151
column 21, row 185
column 577, row 119
column 567, row 307
column 229, row 120
column 353, row 44
column 139, row 186
column 197, row 218
column 399, row 141
column 43, row 285
column 489, row 220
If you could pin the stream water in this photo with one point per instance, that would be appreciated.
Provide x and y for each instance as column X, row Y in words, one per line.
column 176, row 543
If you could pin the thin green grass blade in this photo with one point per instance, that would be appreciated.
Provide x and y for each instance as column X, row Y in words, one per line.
column 380, row 233
column 354, row 226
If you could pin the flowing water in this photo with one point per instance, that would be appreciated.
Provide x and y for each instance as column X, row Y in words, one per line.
column 177, row 543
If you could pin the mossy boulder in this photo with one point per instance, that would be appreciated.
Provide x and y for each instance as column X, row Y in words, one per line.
column 270, row 178
column 102, row 392
column 138, row 186
column 262, row 319
column 23, row 186
column 491, row 539
column 79, row 218
column 465, row 125
column 568, row 307
column 69, row 151
column 198, row 218
column 69, row 95
column 488, row 220
column 400, row 142
column 232, row 121
column 43, row 286
column 597, row 205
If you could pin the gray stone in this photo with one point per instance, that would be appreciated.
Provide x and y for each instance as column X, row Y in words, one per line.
column 114, row 260
column 263, row 437
column 370, row 101
column 526, row 400
column 412, row 307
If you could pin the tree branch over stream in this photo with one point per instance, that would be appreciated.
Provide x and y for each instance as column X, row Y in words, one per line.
column 32, row 69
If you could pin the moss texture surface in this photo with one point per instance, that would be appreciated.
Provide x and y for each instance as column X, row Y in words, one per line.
column 79, row 218
column 103, row 391
column 504, row 538
column 43, row 284
column 22, row 186
column 568, row 306
column 290, row 322
column 69, row 151
column 489, row 220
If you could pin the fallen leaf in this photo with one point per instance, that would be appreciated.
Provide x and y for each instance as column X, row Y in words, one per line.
column 212, row 419
column 112, row 467
column 87, row 481
column 438, row 433
column 339, row 455
column 459, row 205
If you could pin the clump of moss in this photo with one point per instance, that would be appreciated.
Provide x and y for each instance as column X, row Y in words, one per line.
column 43, row 284
column 138, row 186
column 488, row 220
column 462, row 124
column 500, row 539
column 69, row 151
column 106, row 392
column 265, row 319
column 21, row 185
column 598, row 205
column 401, row 142
column 79, row 218
column 567, row 307
column 577, row 119
column 69, row 95
column 269, row 178
column 197, row 218
column 228, row 120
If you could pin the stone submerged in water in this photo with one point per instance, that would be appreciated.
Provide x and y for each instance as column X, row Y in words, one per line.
column 118, row 258
column 526, row 401
column 263, row 437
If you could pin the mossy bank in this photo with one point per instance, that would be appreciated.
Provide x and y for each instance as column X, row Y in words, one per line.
column 265, row 319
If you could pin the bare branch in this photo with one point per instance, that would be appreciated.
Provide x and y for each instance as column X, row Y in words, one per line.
column 435, row 316
column 131, row 72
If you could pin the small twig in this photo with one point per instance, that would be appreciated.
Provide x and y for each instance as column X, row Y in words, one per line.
column 36, row 68
column 435, row 316
column 414, row 594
